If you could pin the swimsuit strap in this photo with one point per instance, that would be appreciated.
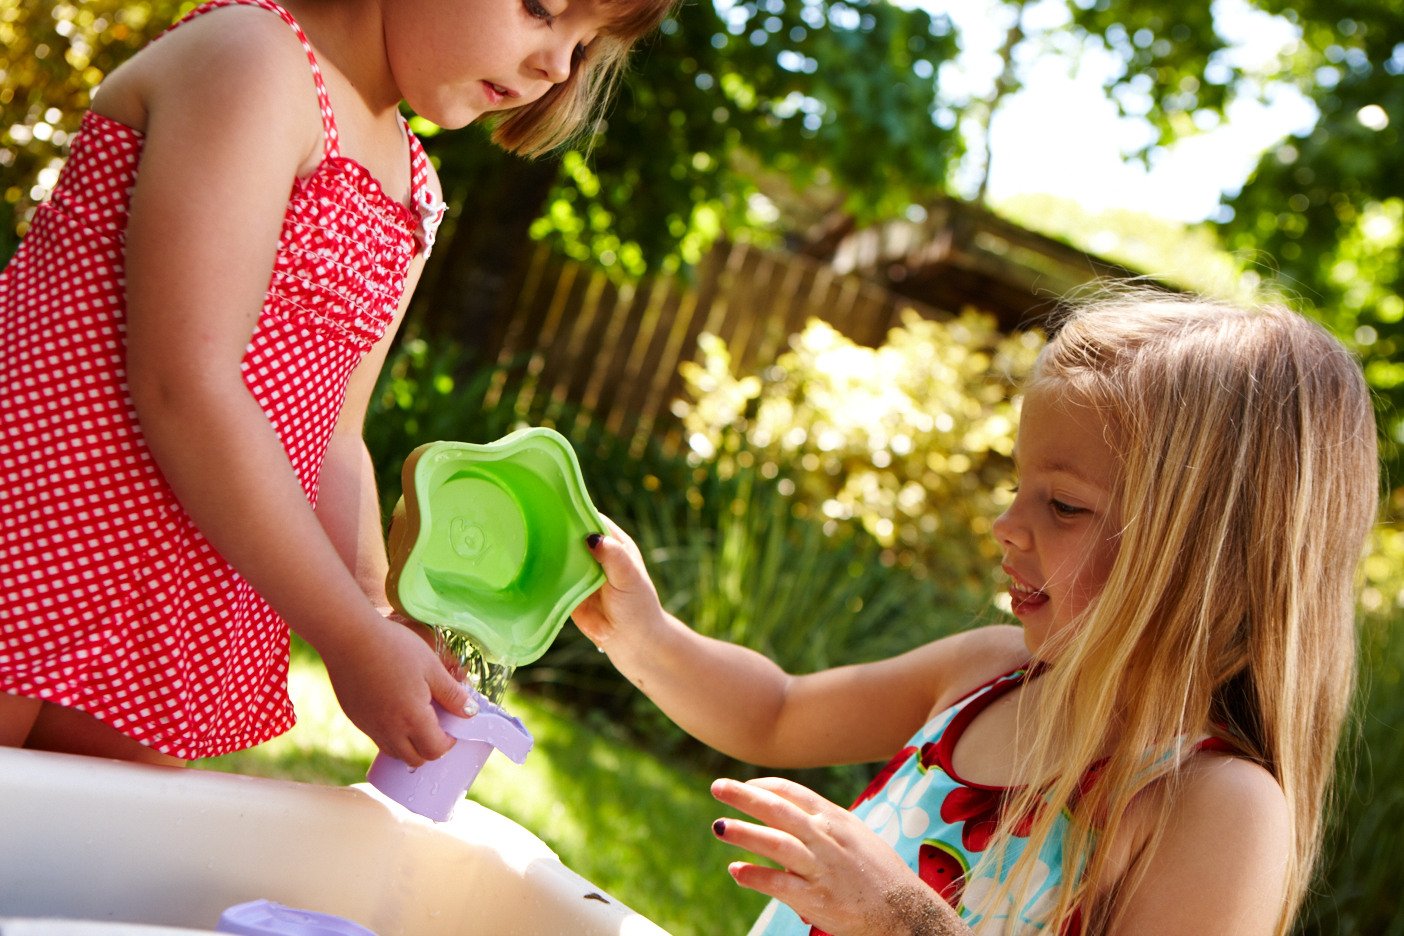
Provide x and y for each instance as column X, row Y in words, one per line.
column 420, row 166
column 330, row 137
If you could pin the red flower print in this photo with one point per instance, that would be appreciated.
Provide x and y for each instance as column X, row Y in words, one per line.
column 979, row 812
column 883, row 776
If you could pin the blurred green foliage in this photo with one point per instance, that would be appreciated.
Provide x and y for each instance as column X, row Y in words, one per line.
column 55, row 54
column 837, row 94
column 1326, row 207
column 911, row 440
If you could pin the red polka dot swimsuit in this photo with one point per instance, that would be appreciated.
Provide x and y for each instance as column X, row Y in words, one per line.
column 111, row 601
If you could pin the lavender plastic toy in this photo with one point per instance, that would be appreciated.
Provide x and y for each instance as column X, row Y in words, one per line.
column 434, row 788
column 267, row 918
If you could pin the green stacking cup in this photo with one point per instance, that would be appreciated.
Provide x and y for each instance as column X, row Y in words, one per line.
column 489, row 540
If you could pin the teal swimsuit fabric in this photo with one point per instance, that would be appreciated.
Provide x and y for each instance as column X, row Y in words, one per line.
column 941, row 824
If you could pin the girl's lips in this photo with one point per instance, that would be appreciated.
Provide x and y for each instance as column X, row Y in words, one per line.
column 1022, row 602
column 496, row 93
column 1024, row 598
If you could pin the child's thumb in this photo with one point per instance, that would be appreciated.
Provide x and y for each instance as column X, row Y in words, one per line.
column 452, row 694
column 619, row 566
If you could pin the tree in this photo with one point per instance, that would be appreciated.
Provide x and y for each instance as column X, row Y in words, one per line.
column 55, row 54
column 831, row 95
column 836, row 97
column 1327, row 207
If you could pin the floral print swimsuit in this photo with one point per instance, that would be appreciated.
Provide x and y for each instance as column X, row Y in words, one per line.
column 941, row 823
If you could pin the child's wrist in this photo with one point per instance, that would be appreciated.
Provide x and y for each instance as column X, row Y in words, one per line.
column 640, row 645
column 334, row 638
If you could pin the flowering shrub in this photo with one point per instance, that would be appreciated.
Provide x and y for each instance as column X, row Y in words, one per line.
column 911, row 440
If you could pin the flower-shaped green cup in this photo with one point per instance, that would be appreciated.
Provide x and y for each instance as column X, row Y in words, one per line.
column 489, row 540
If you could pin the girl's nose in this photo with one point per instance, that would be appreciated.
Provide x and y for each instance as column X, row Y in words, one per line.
column 554, row 61
column 1009, row 532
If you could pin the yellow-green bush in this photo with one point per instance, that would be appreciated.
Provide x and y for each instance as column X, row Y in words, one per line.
column 912, row 439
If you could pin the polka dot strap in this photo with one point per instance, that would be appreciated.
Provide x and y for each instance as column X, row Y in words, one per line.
column 330, row 137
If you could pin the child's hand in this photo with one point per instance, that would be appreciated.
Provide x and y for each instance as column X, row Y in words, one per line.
column 385, row 686
column 835, row 872
column 627, row 600
column 435, row 642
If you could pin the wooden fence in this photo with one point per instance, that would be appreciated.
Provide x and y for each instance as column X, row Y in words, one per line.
column 614, row 351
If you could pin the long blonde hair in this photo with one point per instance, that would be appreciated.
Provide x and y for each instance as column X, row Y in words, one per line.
column 573, row 107
column 1248, row 483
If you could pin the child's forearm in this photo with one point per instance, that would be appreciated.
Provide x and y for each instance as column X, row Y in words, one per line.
column 919, row 911
column 728, row 697
column 348, row 508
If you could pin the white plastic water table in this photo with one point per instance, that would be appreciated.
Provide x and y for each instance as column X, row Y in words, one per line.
column 130, row 850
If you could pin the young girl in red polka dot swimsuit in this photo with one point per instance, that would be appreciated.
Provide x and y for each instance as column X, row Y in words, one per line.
column 189, row 334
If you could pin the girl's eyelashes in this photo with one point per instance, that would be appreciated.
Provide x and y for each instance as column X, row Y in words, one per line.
column 538, row 10
column 1061, row 508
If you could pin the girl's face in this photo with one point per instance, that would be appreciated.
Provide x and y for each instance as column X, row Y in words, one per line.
column 455, row 60
column 1059, row 534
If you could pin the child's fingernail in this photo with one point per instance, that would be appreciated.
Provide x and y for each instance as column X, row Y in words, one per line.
column 593, row 539
column 470, row 707
column 719, row 828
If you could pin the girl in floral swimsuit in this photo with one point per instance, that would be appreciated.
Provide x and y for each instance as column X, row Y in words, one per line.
column 189, row 335
column 1149, row 752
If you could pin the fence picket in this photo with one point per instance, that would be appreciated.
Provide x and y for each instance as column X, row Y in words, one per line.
column 579, row 342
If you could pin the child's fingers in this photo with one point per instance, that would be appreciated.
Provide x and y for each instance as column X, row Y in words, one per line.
column 780, row 847
column 802, row 796
column 760, row 803
column 773, row 882
column 617, row 532
column 451, row 694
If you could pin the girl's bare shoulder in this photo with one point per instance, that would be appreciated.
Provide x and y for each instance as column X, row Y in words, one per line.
column 237, row 58
column 1218, row 867
column 971, row 658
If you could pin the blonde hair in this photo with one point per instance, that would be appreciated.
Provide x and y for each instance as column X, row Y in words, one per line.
column 1248, row 484
column 573, row 107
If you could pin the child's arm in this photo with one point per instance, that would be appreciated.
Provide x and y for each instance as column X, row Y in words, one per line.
column 834, row 870
column 348, row 504
column 218, row 163
column 743, row 704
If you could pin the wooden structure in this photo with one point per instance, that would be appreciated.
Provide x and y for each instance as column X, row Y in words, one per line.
column 963, row 255
column 614, row 351
column 586, row 343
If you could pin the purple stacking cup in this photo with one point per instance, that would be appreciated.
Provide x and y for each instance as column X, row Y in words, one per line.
column 269, row 918
column 435, row 787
